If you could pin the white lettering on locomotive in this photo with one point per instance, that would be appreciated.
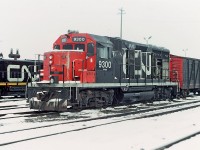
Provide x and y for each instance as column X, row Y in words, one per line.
column 131, row 46
column 124, row 62
column 147, row 65
column 143, row 66
column 23, row 70
column 138, row 57
column 104, row 64
column 79, row 39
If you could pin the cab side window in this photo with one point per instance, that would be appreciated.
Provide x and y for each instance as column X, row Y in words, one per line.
column 57, row 47
column 104, row 51
column 90, row 51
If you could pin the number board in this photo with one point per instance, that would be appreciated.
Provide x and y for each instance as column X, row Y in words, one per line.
column 78, row 39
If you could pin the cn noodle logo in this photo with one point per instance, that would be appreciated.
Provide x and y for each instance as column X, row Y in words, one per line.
column 24, row 69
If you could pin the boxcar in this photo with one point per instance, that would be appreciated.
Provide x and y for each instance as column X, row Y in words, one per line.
column 186, row 71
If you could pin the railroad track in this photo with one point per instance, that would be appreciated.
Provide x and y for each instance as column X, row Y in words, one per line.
column 25, row 114
column 13, row 136
column 19, row 111
column 172, row 143
column 11, row 100
column 39, row 113
column 13, row 107
column 12, row 104
column 129, row 108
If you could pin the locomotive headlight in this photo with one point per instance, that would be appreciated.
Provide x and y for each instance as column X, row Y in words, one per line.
column 51, row 57
column 50, row 62
column 51, row 80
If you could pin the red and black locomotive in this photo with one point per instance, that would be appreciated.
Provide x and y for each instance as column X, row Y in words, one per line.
column 85, row 70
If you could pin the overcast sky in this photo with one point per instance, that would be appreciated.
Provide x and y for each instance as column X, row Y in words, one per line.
column 33, row 25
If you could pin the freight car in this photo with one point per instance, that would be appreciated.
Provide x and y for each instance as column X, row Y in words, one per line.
column 15, row 73
column 85, row 70
column 186, row 71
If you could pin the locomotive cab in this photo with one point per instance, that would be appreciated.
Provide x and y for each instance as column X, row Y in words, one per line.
column 79, row 58
column 73, row 59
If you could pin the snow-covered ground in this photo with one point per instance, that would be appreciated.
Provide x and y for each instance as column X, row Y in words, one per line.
column 193, row 144
column 148, row 133
column 10, row 102
column 16, row 104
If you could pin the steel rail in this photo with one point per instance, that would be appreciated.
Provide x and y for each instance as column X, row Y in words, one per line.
column 105, row 117
column 139, row 116
column 177, row 141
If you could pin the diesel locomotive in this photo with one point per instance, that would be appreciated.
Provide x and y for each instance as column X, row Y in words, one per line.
column 15, row 73
column 86, row 70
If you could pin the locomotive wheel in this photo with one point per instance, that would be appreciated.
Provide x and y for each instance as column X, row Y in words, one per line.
column 118, row 97
column 95, row 103
column 184, row 93
column 97, row 98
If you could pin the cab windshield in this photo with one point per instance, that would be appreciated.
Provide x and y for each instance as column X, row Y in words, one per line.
column 74, row 47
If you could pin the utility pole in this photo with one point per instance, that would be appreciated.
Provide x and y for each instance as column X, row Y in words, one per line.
column 147, row 40
column 122, row 12
column 185, row 50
